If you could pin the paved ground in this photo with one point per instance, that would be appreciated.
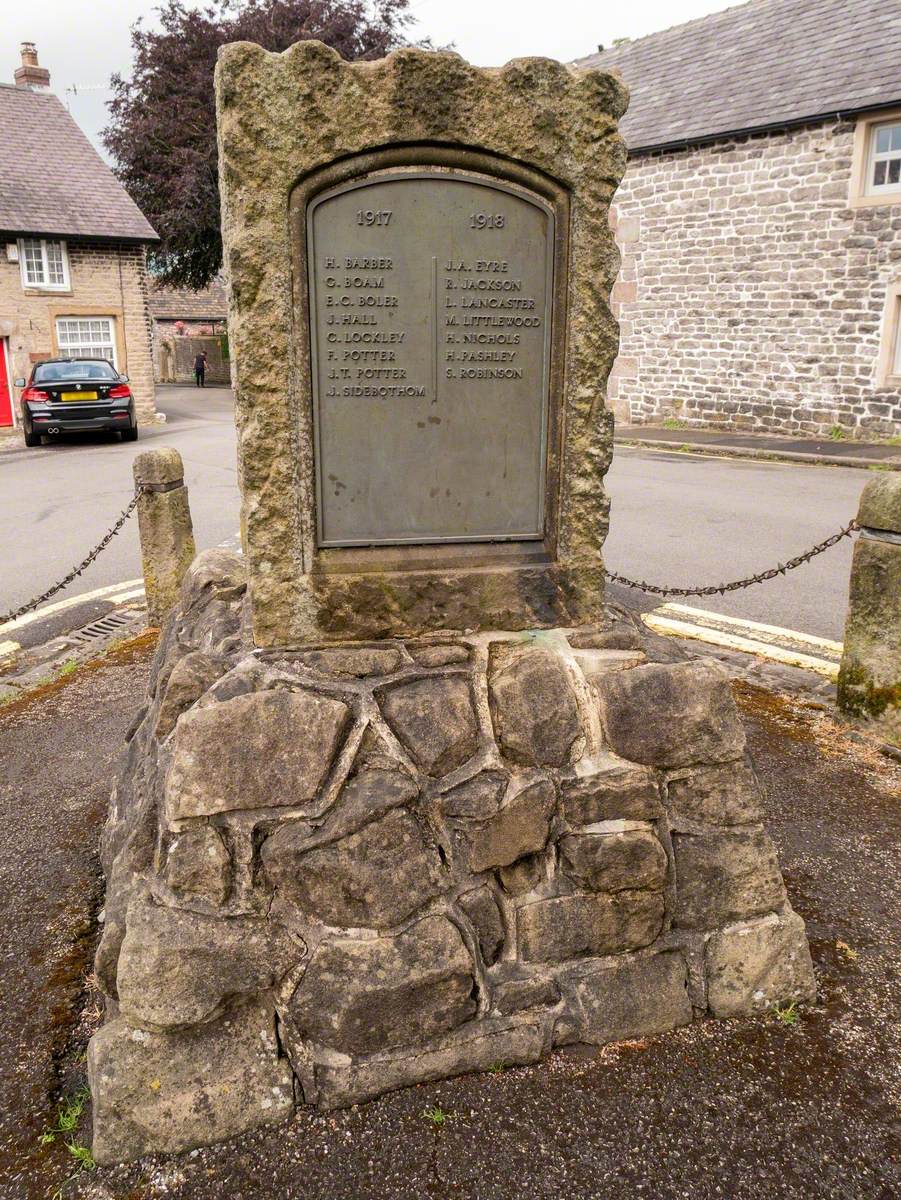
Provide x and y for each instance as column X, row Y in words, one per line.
column 831, row 450
column 744, row 1110
column 680, row 521
column 676, row 519
column 58, row 500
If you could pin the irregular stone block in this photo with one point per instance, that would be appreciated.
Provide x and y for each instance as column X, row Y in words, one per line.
column 509, row 1042
column 521, row 826
column 671, row 714
column 522, row 876
column 438, row 655
column 610, row 862
column 533, row 705
column 574, row 926
column 752, row 967
column 513, row 995
column 481, row 908
column 618, row 638
column 359, row 996
column 721, row 877
column 198, row 865
column 179, row 968
column 723, row 795
column 217, row 571
column 434, row 720
column 637, row 999
column 162, row 1093
column 374, row 878
column 595, row 663
column 353, row 661
column 365, row 796
column 190, row 677
column 477, row 797
column 264, row 750
column 628, row 793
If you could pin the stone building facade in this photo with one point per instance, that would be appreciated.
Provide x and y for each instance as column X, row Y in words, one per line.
column 73, row 248
column 186, row 321
column 761, row 260
column 107, row 287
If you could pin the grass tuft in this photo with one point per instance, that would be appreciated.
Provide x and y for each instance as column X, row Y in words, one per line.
column 436, row 1115
column 787, row 1014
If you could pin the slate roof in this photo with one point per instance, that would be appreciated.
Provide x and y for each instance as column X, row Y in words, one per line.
column 53, row 181
column 183, row 304
column 762, row 64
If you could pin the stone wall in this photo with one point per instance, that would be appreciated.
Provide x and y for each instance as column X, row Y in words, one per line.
column 175, row 354
column 106, row 280
column 340, row 870
column 751, row 296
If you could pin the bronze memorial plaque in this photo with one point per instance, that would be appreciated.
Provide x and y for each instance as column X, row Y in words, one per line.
column 430, row 307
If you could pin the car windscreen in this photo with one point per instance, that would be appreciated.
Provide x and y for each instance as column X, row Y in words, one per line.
column 69, row 372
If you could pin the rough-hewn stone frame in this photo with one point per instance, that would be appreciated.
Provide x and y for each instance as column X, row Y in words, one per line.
column 282, row 119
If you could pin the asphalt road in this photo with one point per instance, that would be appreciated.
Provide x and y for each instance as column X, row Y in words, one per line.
column 676, row 519
column 57, row 501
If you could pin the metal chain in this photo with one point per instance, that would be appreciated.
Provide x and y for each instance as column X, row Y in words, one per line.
column 82, row 566
column 736, row 584
column 640, row 585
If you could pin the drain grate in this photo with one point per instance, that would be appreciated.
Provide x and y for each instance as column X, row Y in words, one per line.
column 103, row 628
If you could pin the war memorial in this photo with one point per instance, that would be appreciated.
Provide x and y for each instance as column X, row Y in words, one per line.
column 406, row 800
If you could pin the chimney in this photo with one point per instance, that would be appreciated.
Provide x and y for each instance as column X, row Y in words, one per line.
column 30, row 74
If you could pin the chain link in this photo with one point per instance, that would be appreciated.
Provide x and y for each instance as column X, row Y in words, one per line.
column 736, row 584
column 82, row 566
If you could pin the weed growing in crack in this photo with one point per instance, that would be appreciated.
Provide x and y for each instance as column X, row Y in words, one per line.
column 848, row 953
column 67, row 1117
column 436, row 1115
column 787, row 1014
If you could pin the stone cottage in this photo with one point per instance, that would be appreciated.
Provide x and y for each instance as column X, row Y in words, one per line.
column 73, row 246
column 760, row 220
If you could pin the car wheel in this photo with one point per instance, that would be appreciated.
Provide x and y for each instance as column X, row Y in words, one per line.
column 31, row 438
column 130, row 434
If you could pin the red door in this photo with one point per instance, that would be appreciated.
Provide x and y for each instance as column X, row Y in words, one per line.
column 6, row 403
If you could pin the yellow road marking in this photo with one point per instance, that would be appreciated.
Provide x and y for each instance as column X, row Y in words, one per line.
column 50, row 610
column 731, row 641
column 766, row 633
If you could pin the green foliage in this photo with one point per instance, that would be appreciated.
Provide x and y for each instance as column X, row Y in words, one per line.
column 837, row 433
column 436, row 1115
column 67, row 1115
column 162, row 130
column 787, row 1014
column 674, row 423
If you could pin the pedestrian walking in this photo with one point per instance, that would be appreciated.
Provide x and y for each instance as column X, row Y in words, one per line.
column 200, row 369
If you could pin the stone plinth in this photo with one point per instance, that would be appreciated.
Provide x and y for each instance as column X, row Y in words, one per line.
column 345, row 869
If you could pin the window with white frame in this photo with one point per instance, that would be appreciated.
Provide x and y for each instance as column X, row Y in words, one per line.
column 885, row 161
column 44, row 263
column 86, row 337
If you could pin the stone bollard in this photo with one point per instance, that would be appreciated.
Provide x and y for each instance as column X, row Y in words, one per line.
column 164, row 520
column 869, row 681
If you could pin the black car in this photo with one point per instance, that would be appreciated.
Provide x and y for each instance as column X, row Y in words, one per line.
column 69, row 394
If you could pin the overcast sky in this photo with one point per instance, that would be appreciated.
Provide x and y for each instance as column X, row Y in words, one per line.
column 82, row 42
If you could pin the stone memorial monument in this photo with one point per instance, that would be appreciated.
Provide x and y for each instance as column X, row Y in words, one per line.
column 404, row 802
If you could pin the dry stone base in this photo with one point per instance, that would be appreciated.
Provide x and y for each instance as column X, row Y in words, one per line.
column 340, row 870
